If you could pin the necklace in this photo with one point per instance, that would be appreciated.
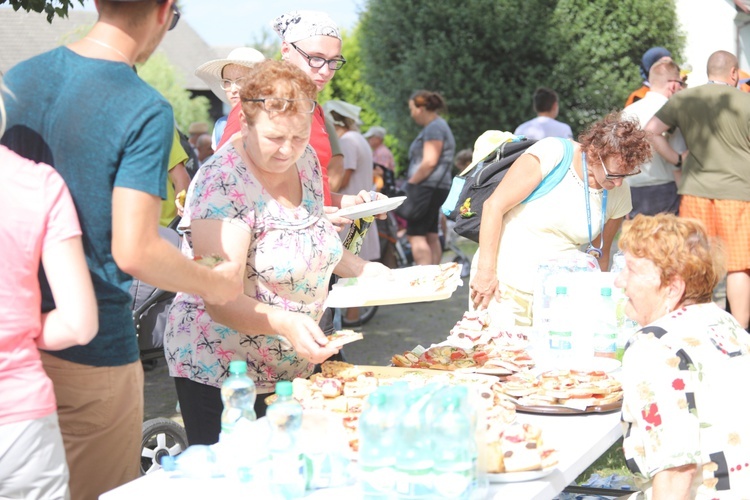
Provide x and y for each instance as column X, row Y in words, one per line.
column 108, row 46
column 591, row 249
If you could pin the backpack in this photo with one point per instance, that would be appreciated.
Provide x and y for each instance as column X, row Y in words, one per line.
column 481, row 181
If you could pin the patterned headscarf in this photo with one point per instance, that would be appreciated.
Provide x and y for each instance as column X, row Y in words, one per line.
column 300, row 24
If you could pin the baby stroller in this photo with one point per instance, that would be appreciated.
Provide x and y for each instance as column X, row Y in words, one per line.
column 160, row 436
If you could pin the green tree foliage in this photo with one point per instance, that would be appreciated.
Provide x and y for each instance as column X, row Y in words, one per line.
column 160, row 74
column 603, row 44
column 487, row 56
column 51, row 7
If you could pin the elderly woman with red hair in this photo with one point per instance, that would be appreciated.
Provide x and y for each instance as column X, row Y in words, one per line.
column 685, row 422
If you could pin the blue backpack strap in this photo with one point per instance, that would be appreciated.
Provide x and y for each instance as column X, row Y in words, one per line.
column 556, row 175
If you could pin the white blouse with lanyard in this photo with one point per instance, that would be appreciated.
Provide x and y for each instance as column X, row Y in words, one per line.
column 591, row 249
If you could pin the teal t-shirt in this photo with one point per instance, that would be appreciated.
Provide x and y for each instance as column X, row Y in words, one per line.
column 100, row 126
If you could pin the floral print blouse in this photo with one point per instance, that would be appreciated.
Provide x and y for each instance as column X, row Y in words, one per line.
column 291, row 257
column 685, row 382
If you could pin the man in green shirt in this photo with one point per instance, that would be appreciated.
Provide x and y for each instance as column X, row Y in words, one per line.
column 715, row 120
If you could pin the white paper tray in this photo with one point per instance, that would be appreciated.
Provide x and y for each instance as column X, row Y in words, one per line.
column 359, row 292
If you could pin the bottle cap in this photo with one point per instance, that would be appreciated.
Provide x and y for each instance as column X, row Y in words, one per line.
column 238, row 367
column 606, row 291
column 561, row 290
column 284, row 388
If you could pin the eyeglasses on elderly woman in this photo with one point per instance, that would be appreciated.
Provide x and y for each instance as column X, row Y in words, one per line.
column 611, row 177
column 279, row 104
column 319, row 62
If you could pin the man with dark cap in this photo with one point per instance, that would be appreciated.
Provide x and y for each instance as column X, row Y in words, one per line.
column 650, row 57
column 82, row 109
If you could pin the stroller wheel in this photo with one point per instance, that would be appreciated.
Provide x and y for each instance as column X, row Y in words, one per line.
column 149, row 364
column 160, row 437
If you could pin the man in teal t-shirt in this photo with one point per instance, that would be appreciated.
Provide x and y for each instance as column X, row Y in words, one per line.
column 83, row 110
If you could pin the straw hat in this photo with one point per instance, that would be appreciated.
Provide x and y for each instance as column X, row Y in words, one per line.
column 210, row 72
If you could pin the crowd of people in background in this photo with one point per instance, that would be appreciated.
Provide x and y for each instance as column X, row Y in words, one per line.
column 258, row 192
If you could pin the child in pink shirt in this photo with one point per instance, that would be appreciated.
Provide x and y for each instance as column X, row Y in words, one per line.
column 38, row 225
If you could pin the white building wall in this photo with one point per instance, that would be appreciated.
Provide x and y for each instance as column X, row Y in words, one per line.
column 712, row 25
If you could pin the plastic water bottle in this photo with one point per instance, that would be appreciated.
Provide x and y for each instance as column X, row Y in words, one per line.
column 454, row 448
column 198, row 461
column 288, row 474
column 542, row 298
column 605, row 335
column 561, row 326
column 414, row 454
column 377, row 444
column 238, row 395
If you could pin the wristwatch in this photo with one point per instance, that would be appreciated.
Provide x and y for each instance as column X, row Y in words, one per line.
column 679, row 160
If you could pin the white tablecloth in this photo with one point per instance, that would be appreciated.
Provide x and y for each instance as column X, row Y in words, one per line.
column 579, row 439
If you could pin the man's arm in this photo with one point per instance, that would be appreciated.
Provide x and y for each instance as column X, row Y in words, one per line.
column 655, row 129
column 139, row 250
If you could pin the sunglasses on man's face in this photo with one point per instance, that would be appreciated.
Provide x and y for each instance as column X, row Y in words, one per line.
column 175, row 14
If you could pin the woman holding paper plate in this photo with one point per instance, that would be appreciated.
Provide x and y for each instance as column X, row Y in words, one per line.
column 559, row 195
column 259, row 202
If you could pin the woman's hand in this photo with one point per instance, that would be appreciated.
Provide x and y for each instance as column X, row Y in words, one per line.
column 375, row 270
column 349, row 200
column 338, row 222
column 304, row 334
column 484, row 287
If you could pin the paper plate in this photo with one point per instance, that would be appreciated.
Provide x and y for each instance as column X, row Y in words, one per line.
column 376, row 207
column 517, row 477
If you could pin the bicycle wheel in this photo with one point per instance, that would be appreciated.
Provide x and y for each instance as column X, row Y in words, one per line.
column 366, row 313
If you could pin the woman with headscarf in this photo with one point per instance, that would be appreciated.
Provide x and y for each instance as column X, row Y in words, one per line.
column 312, row 42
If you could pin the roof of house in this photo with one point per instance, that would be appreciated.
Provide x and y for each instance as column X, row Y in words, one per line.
column 24, row 35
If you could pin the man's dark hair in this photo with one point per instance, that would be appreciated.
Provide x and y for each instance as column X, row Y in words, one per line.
column 544, row 99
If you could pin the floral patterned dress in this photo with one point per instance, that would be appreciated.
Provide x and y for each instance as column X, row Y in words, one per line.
column 291, row 257
column 684, row 378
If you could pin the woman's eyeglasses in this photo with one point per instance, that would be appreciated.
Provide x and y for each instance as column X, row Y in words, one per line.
column 682, row 84
column 279, row 104
column 227, row 84
column 611, row 177
column 319, row 62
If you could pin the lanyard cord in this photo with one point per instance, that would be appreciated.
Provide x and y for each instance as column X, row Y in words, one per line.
column 592, row 248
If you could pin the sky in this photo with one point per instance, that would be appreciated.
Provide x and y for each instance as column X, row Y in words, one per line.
column 241, row 22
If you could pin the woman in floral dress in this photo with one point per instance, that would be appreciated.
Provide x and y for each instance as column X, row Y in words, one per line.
column 258, row 201
column 684, row 408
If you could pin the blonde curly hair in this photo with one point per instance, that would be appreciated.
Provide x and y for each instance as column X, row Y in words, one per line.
column 678, row 246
